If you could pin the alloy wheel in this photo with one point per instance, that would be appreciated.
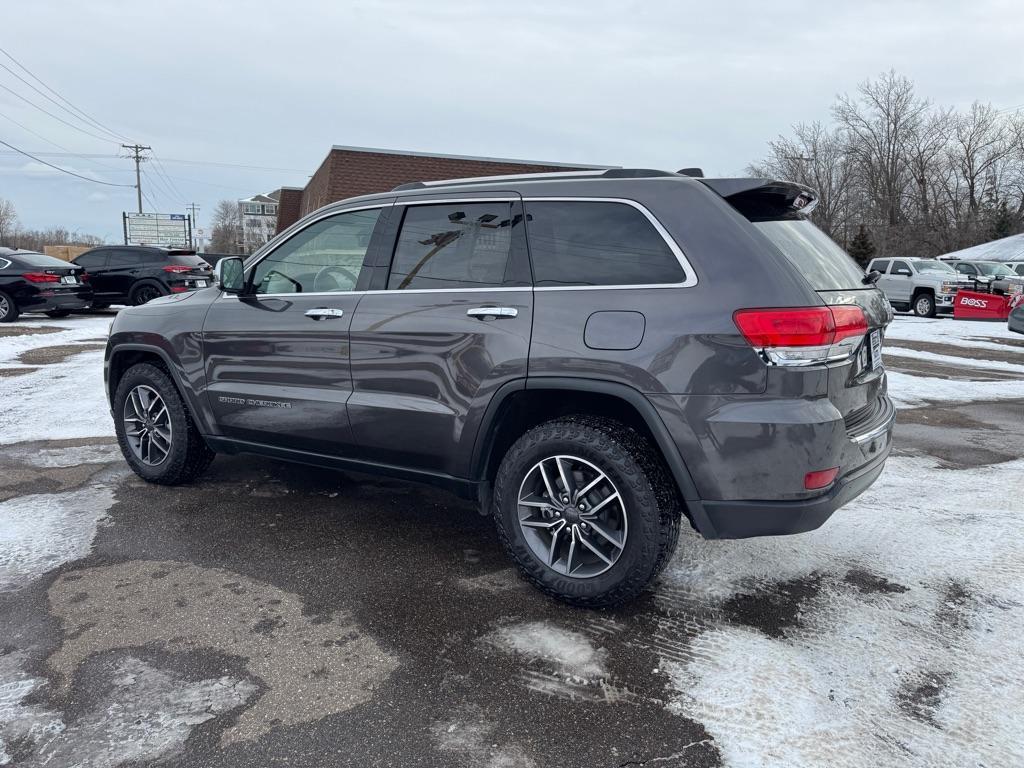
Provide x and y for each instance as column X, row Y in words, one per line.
column 145, row 294
column 923, row 306
column 5, row 307
column 147, row 425
column 572, row 516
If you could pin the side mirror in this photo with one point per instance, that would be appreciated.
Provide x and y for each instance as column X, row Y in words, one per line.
column 229, row 275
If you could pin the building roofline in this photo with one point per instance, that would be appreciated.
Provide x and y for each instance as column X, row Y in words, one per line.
column 380, row 151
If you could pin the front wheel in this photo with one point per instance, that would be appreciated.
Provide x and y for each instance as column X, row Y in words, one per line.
column 157, row 436
column 924, row 305
column 586, row 510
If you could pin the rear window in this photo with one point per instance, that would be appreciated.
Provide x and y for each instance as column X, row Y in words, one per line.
column 188, row 259
column 824, row 265
column 39, row 260
column 597, row 243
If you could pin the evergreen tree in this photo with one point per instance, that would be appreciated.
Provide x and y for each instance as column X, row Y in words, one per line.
column 1002, row 222
column 861, row 248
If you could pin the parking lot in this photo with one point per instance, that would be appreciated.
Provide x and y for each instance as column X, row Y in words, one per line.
column 277, row 614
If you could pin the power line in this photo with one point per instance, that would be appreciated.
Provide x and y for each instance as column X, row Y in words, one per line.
column 81, row 112
column 163, row 172
column 55, row 117
column 62, row 170
column 113, row 136
column 66, row 153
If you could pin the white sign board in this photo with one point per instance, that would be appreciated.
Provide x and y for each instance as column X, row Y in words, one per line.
column 169, row 230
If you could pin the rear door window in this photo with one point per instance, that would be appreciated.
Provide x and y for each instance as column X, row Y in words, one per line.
column 454, row 245
column 578, row 242
column 882, row 265
column 126, row 258
column 824, row 265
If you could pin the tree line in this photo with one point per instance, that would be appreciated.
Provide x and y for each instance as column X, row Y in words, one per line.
column 14, row 236
column 901, row 176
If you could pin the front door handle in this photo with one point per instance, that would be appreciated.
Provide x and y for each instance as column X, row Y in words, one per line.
column 321, row 313
column 483, row 313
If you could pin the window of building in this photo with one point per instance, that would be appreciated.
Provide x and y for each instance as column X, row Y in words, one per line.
column 253, row 209
column 597, row 243
column 326, row 256
column 456, row 245
column 270, row 210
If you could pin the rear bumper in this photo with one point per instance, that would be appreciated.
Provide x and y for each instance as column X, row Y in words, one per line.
column 41, row 302
column 745, row 519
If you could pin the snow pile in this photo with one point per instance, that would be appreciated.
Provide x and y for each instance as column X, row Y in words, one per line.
column 924, row 670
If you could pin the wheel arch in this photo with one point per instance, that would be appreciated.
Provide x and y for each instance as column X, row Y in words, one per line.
column 520, row 405
column 124, row 356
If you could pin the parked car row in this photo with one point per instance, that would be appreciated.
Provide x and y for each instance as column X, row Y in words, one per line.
column 110, row 274
column 928, row 287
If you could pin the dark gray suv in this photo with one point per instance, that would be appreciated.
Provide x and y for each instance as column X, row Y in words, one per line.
column 592, row 356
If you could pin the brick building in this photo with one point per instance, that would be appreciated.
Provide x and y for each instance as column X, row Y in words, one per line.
column 350, row 171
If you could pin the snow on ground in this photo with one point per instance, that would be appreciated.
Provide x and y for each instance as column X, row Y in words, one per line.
column 59, row 400
column 908, row 648
column 571, row 652
column 43, row 531
column 946, row 330
column 146, row 714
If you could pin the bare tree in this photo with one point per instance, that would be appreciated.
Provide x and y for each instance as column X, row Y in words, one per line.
column 8, row 221
column 226, row 229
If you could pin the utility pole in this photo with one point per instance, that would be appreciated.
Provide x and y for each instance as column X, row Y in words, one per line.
column 137, row 150
column 195, row 221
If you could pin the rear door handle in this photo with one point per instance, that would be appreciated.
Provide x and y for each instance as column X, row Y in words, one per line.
column 482, row 313
column 320, row 313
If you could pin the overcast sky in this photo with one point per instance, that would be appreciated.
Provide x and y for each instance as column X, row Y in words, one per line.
column 654, row 84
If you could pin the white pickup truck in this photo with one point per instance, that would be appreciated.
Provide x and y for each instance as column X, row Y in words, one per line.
column 922, row 286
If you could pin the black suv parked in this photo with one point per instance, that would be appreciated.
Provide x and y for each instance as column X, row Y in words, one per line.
column 591, row 356
column 121, row 274
column 34, row 282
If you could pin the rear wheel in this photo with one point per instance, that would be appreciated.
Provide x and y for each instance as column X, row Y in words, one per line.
column 146, row 292
column 157, row 436
column 58, row 313
column 8, row 309
column 586, row 511
column 924, row 305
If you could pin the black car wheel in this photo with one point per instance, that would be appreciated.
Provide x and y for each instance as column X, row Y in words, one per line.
column 8, row 309
column 585, row 509
column 924, row 305
column 157, row 436
column 141, row 294
column 58, row 313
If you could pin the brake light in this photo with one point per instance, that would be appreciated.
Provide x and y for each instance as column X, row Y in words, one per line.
column 821, row 478
column 40, row 277
column 84, row 277
column 177, row 268
column 797, row 336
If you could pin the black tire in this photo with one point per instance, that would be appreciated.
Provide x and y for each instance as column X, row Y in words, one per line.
column 55, row 313
column 924, row 305
column 8, row 309
column 650, row 503
column 188, row 455
column 144, row 293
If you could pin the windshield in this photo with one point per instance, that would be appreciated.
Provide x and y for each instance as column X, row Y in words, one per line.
column 825, row 265
column 995, row 270
column 923, row 265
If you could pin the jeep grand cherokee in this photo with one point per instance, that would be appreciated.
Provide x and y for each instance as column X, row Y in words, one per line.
column 594, row 357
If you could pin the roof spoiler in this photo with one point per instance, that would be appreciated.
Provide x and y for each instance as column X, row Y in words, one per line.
column 765, row 198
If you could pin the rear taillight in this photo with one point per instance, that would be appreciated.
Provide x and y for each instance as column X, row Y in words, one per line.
column 41, row 277
column 84, row 277
column 803, row 335
column 177, row 268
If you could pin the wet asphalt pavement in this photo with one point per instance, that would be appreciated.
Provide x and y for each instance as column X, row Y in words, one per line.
column 276, row 614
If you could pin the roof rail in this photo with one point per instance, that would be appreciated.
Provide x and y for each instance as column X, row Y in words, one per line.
column 611, row 173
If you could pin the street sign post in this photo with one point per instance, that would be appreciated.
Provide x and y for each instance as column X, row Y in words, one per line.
column 169, row 230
